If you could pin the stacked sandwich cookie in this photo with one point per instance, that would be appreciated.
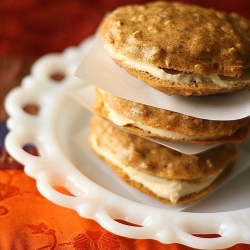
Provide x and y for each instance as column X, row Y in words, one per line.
column 168, row 125
column 177, row 49
column 165, row 174
column 180, row 49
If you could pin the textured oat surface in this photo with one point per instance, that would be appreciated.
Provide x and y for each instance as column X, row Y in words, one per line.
column 145, row 155
column 209, row 131
column 182, row 37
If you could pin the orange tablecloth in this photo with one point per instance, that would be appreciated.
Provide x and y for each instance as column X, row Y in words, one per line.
column 29, row 29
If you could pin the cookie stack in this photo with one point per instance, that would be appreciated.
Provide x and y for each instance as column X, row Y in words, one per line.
column 177, row 49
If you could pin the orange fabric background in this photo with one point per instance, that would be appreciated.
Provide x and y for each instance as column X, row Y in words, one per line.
column 29, row 29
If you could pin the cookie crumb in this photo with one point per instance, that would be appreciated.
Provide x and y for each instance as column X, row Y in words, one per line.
column 209, row 163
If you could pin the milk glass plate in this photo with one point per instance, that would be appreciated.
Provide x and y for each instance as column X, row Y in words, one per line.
column 59, row 132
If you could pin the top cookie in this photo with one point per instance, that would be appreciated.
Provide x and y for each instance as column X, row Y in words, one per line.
column 181, row 38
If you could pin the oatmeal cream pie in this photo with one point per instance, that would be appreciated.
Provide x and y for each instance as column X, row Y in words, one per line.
column 163, row 173
column 179, row 48
column 149, row 121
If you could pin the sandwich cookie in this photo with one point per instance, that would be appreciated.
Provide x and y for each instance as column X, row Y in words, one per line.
column 163, row 173
column 163, row 124
column 179, row 48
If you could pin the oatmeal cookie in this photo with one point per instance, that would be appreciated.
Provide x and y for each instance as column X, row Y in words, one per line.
column 165, row 174
column 168, row 125
column 179, row 48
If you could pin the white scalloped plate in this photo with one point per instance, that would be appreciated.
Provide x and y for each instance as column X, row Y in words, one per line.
column 56, row 132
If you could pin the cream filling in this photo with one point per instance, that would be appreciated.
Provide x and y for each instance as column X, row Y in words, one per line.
column 120, row 120
column 176, row 76
column 170, row 189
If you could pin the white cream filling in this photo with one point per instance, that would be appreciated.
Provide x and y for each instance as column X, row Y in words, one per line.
column 170, row 189
column 178, row 76
column 120, row 120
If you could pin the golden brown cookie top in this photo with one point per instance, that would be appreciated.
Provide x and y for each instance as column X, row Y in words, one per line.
column 209, row 131
column 182, row 37
column 150, row 157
